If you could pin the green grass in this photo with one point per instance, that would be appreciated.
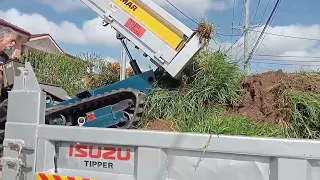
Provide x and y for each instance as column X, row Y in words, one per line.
column 213, row 83
column 59, row 69
column 305, row 109
column 70, row 73
column 234, row 124
column 216, row 80
column 191, row 117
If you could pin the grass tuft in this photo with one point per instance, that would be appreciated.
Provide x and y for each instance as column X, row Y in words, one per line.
column 216, row 80
column 305, row 108
column 212, row 83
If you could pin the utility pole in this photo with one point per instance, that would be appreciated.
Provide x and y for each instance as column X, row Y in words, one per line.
column 245, row 28
column 245, row 38
column 123, row 63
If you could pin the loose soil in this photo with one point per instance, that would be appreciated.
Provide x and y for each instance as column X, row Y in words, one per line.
column 264, row 99
column 205, row 30
column 162, row 125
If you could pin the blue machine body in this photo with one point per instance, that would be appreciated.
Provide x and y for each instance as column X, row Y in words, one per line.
column 105, row 116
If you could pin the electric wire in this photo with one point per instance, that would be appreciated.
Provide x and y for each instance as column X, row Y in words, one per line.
column 265, row 28
column 181, row 12
column 290, row 60
column 286, row 64
column 255, row 14
column 234, row 3
column 287, row 36
column 267, row 55
column 264, row 12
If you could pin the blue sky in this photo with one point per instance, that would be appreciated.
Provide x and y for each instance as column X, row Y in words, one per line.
column 76, row 28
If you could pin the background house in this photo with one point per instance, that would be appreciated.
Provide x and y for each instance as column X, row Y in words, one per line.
column 42, row 42
column 28, row 42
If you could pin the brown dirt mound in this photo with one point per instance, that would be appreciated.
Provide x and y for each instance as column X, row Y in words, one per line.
column 162, row 125
column 263, row 94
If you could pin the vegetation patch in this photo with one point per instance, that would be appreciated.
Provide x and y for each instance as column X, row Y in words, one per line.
column 205, row 31
column 213, row 95
column 305, row 111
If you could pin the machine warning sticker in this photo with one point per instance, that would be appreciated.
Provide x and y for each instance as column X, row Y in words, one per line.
column 100, row 156
column 135, row 28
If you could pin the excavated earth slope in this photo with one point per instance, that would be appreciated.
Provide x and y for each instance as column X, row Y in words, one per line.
column 263, row 97
column 263, row 94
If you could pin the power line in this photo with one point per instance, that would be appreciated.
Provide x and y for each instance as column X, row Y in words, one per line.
column 235, row 42
column 181, row 12
column 175, row 7
column 285, row 64
column 309, row 57
column 240, row 35
column 308, row 61
column 242, row 57
column 197, row 23
column 280, row 35
column 242, row 14
column 234, row 3
column 233, row 35
column 228, row 34
column 264, row 29
column 264, row 12
column 255, row 14
column 287, row 36
column 272, row 17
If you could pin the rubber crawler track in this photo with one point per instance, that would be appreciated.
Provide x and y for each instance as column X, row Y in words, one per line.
column 87, row 104
column 102, row 100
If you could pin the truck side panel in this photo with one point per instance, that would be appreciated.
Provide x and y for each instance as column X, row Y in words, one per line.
column 145, row 155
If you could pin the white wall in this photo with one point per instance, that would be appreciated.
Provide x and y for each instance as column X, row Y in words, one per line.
column 44, row 45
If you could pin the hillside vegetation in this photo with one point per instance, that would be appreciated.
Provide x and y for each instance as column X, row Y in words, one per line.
column 214, row 96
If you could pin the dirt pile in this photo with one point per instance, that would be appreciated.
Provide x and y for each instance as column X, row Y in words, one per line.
column 264, row 99
column 162, row 125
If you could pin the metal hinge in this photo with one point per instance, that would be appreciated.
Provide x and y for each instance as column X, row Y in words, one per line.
column 107, row 16
column 158, row 55
column 16, row 144
column 17, row 163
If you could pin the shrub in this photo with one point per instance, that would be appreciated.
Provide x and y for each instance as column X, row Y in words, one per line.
column 74, row 74
column 212, row 78
column 305, row 107
column 59, row 69
column 216, row 79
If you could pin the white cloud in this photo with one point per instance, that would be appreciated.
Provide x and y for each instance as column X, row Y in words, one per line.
column 192, row 7
column 197, row 8
column 110, row 59
column 277, row 45
column 274, row 45
column 91, row 32
column 64, row 5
